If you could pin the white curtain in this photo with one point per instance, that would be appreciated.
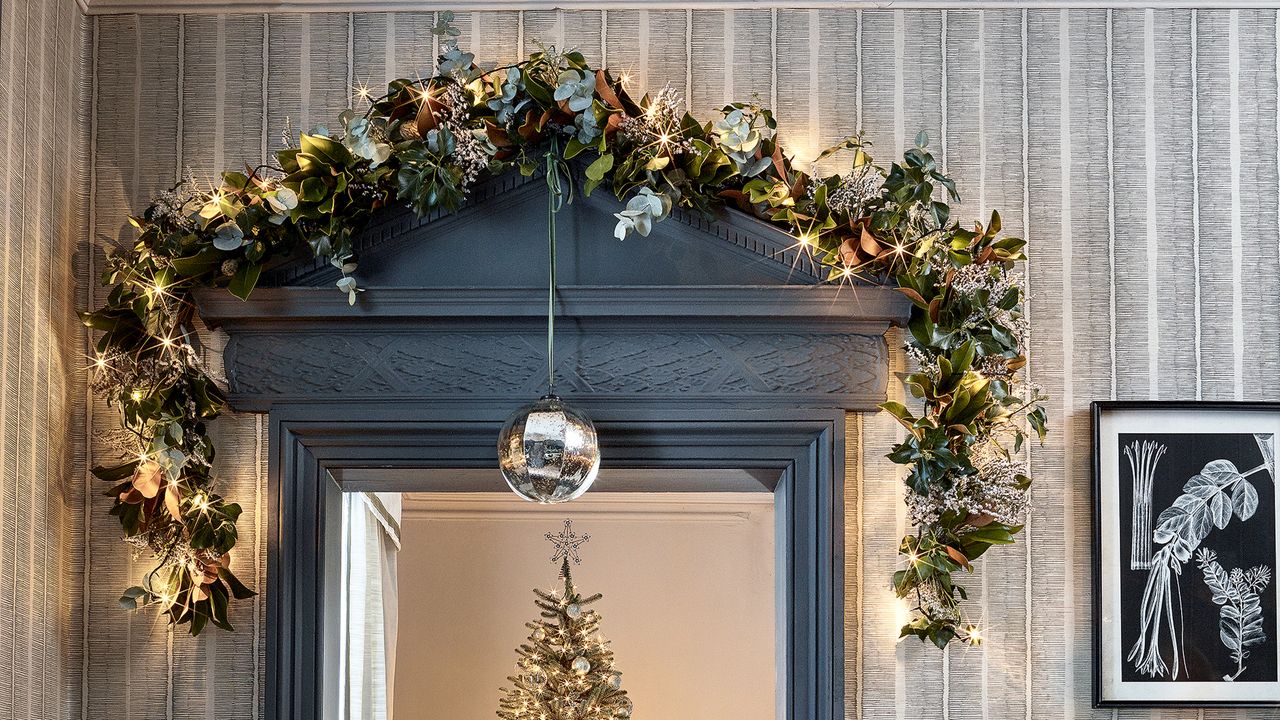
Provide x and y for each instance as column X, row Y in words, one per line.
column 370, row 543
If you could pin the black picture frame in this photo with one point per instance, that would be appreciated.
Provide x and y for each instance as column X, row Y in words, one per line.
column 1125, row 673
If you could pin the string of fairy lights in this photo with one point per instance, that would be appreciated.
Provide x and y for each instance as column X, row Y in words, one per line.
column 424, row 142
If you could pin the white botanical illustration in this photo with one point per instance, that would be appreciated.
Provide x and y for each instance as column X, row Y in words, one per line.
column 1240, row 622
column 1143, row 456
column 1209, row 500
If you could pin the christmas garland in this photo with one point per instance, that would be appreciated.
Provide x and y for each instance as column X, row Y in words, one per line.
column 425, row 143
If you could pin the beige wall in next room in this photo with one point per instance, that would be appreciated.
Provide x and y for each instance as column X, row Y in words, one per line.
column 688, row 607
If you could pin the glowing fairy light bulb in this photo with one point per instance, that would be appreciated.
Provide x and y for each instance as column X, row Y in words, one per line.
column 201, row 502
column 973, row 635
column 157, row 288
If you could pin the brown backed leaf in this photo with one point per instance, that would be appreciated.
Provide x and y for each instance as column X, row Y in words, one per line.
column 958, row 557
column 612, row 124
column 980, row 520
column 131, row 496
column 605, row 91
column 531, row 128
column 849, row 253
column 913, row 296
column 738, row 197
column 146, row 479
column 870, row 244
column 779, row 161
column 426, row 120
column 935, row 309
column 497, row 135
column 173, row 501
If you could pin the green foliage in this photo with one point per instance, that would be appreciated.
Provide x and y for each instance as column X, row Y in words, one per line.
column 423, row 143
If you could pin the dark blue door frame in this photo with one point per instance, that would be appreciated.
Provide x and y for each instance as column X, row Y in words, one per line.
column 711, row 344
column 312, row 444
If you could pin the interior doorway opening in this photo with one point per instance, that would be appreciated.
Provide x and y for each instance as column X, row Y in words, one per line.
column 437, row 589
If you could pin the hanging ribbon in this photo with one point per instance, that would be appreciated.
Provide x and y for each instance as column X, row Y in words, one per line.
column 559, row 194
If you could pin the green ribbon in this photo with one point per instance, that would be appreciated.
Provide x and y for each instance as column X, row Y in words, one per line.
column 559, row 194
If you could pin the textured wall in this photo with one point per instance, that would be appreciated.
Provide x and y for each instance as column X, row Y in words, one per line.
column 1136, row 150
column 43, row 134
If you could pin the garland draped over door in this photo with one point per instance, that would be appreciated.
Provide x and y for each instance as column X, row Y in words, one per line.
column 424, row 143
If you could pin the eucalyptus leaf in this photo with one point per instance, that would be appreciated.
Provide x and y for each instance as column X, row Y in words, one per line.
column 228, row 237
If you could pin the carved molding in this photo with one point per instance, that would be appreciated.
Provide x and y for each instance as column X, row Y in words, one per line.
column 690, row 347
column 826, row 370
column 861, row 309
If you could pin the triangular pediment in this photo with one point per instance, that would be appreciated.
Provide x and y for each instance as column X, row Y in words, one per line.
column 499, row 239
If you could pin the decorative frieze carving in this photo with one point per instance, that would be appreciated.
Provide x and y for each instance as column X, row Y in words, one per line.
column 834, row 370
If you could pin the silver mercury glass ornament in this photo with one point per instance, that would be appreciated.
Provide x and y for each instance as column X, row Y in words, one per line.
column 547, row 450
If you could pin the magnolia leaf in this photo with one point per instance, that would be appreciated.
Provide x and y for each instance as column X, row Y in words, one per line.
column 912, row 295
column 238, row 589
column 147, row 478
column 959, row 557
column 326, row 149
column 245, row 280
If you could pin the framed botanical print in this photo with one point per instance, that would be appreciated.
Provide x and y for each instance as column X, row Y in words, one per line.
column 1185, row 553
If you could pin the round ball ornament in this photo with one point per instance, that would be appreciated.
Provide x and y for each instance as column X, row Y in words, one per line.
column 615, row 680
column 548, row 452
column 539, row 634
column 537, row 678
column 581, row 665
column 574, row 611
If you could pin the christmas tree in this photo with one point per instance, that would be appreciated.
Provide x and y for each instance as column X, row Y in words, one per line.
column 565, row 671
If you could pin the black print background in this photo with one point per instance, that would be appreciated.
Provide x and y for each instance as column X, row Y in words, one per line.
column 1241, row 545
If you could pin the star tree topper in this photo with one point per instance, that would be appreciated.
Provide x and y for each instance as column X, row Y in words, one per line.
column 566, row 544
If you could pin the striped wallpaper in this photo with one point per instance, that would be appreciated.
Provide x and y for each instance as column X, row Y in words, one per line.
column 43, row 138
column 1136, row 149
column 43, row 134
